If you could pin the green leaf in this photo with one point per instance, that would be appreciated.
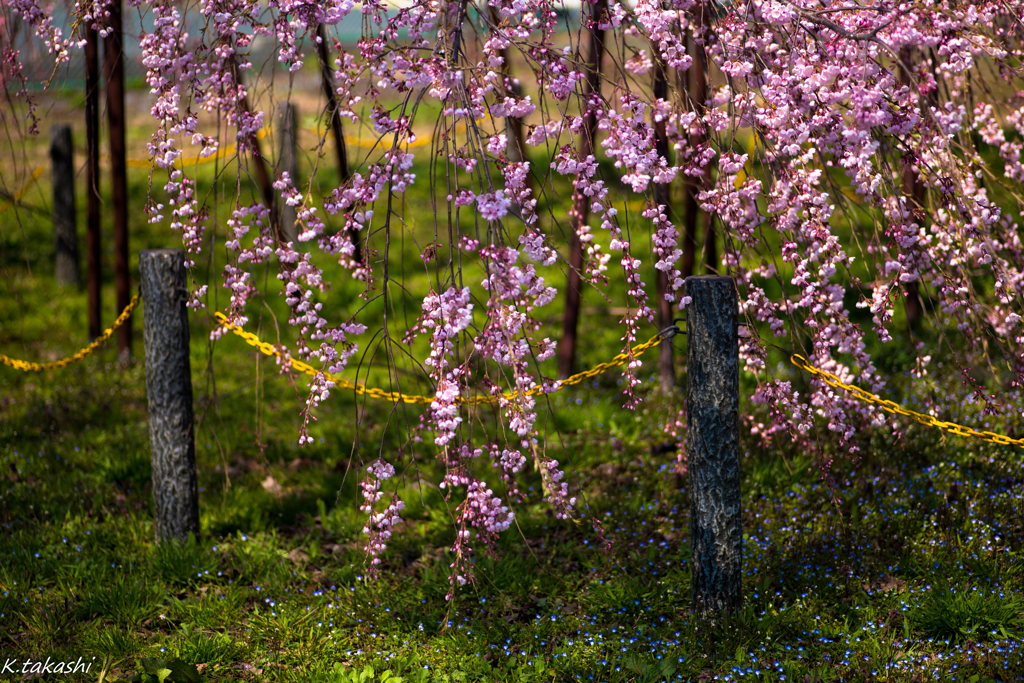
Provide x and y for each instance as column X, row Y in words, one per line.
column 184, row 672
column 151, row 666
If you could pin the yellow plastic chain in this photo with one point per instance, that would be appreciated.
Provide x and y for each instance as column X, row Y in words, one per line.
column 890, row 407
column 38, row 171
column 395, row 397
column 87, row 351
column 619, row 360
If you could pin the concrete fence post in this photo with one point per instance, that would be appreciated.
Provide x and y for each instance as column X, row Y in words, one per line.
column 169, row 390
column 65, row 233
column 288, row 160
column 712, row 418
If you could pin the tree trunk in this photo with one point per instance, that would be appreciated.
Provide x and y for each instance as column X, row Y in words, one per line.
column 662, row 197
column 259, row 163
column 697, row 96
column 581, row 207
column 327, row 80
column 916, row 194
column 712, row 419
column 92, row 179
column 516, row 147
column 113, row 63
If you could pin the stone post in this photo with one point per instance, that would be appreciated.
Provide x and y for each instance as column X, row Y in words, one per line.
column 169, row 390
column 65, row 233
column 288, row 160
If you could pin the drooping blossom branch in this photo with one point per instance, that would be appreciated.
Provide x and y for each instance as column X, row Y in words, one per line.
column 797, row 160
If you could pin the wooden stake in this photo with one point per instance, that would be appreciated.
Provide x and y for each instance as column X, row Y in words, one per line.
column 712, row 422
column 65, row 233
column 169, row 392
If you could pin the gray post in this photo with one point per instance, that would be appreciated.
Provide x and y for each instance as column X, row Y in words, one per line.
column 65, row 233
column 169, row 389
column 712, row 419
column 287, row 160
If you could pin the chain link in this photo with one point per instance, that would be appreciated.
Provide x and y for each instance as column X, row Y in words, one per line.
column 890, row 407
column 618, row 361
column 396, row 397
column 84, row 353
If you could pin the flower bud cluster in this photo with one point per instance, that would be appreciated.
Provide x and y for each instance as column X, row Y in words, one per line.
column 380, row 525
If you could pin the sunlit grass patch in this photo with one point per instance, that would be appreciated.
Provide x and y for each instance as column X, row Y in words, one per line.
column 978, row 613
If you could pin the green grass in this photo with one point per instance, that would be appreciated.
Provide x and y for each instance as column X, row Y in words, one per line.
column 909, row 568
column 895, row 580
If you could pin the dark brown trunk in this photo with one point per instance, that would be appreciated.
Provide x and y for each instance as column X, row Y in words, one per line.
column 916, row 194
column 581, row 208
column 696, row 96
column 513, row 126
column 259, row 164
column 666, row 366
column 92, row 178
column 113, row 66
column 710, row 247
column 327, row 79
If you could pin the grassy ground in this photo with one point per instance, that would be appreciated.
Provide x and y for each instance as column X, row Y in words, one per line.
column 909, row 569
column 914, row 575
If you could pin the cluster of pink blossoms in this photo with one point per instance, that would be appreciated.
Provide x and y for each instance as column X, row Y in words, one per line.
column 832, row 112
column 380, row 523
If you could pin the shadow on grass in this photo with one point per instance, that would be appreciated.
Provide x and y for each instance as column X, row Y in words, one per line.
column 248, row 510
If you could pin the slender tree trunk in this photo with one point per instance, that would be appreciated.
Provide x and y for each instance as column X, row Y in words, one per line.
column 698, row 95
column 513, row 126
column 113, row 63
column 92, row 178
column 666, row 367
column 327, row 80
column 259, row 163
column 710, row 246
column 916, row 194
column 581, row 207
